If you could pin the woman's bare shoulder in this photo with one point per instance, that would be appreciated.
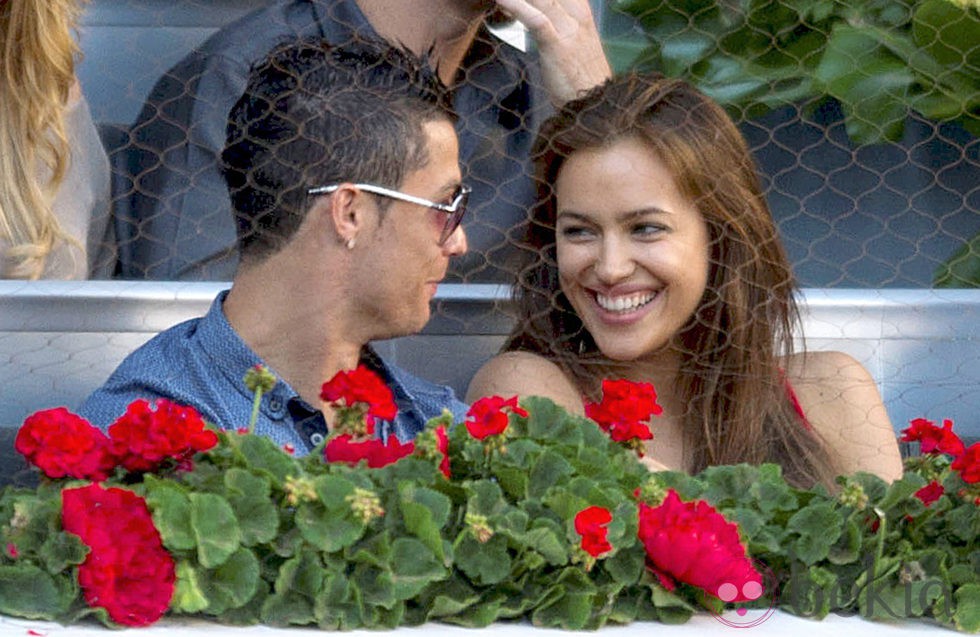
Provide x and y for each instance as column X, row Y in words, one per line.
column 841, row 401
column 524, row 374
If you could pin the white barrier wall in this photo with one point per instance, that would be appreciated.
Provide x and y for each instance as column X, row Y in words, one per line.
column 60, row 340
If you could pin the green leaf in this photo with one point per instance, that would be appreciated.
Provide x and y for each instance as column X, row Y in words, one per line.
column 266, row 456
column 967, row 615
column 288, row 608
column 948, row 32
column 626, row 566
column 818, row 526
column 413, row 567
column 964, row 522
column 188, row 594
column 486, row 498
column 233, row 583
column 847, row 549
column 250, row 500
column 962, row 270
column 425, row 512
column 487, row 563
column 171, row 513
column 62, row 550
column 333, row 491
column 549, row 470
column 868, row 79
column 811, row 592
column 328, row 529
column 449, row 597
column 215, row 527
column 546, row 541
column 572, row 607
column 27, row 591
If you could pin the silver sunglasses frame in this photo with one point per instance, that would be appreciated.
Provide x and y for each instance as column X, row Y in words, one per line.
column 449, row 209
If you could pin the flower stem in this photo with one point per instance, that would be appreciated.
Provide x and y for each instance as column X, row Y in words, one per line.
column 882, row 531
column 255, row 410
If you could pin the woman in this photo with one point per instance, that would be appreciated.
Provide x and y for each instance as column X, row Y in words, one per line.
column 654, row 257
column 54, row 173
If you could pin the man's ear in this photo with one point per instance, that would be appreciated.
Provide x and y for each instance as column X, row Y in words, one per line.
column 344, row 212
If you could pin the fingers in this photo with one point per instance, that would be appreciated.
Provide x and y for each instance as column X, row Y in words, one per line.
column 572, row 59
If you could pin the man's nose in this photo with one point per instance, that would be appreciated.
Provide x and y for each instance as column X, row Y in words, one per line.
column 456, row 244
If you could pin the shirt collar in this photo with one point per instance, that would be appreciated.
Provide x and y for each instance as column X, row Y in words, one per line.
column 232, row 357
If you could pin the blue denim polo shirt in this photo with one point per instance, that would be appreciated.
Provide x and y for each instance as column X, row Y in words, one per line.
column 202, row 363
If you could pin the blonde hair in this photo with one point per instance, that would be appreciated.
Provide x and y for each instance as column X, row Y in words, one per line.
column 37, row 71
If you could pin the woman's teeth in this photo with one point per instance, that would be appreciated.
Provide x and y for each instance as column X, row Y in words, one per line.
column 624, row 303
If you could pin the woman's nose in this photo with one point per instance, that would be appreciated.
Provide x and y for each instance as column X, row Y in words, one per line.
column 614, row 262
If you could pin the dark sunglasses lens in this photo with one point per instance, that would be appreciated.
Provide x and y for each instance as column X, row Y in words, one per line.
column 456, row 217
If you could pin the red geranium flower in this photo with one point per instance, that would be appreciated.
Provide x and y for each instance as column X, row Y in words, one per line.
column 591, row 524
column 144, row 437
column 62, row 444
column 625, row 409
column 127, row 570
column 930, row 493
column 968, row 464
column 361, row 385
column 487, row 417
column 345, row 448
column 442, row 441
column 693, row 543
column 931, row 438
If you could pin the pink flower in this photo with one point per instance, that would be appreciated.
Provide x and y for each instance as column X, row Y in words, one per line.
column 591, row 524
column 693, row 543
column 488, row 416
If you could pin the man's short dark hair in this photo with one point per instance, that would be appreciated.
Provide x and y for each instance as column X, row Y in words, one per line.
column 315, row 114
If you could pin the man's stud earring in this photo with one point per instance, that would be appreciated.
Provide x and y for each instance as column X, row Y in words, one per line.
column 350, row 243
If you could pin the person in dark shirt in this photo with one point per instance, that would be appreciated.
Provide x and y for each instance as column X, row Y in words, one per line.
column 342, row 164
column 175, row 221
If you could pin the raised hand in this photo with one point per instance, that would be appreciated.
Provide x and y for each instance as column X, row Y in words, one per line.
column 572, row 59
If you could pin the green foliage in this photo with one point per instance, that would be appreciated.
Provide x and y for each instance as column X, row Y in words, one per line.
column 878, row 58
column 881, row 59
column 282, row 541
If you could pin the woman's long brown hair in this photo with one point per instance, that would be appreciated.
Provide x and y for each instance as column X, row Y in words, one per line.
column 739, row 408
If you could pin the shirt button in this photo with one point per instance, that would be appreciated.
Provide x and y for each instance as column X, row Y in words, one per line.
column 275, row 403
column 316, row 439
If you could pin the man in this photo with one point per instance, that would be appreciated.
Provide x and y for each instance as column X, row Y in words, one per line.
column 343, row 169
column 176, row 222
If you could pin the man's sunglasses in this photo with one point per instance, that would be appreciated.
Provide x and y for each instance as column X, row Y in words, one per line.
column 454, row 210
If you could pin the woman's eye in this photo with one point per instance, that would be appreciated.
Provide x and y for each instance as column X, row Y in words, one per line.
column 648, row 229
column 575, row 232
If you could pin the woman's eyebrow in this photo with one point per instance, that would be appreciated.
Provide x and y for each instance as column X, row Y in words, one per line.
column 626, row 216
